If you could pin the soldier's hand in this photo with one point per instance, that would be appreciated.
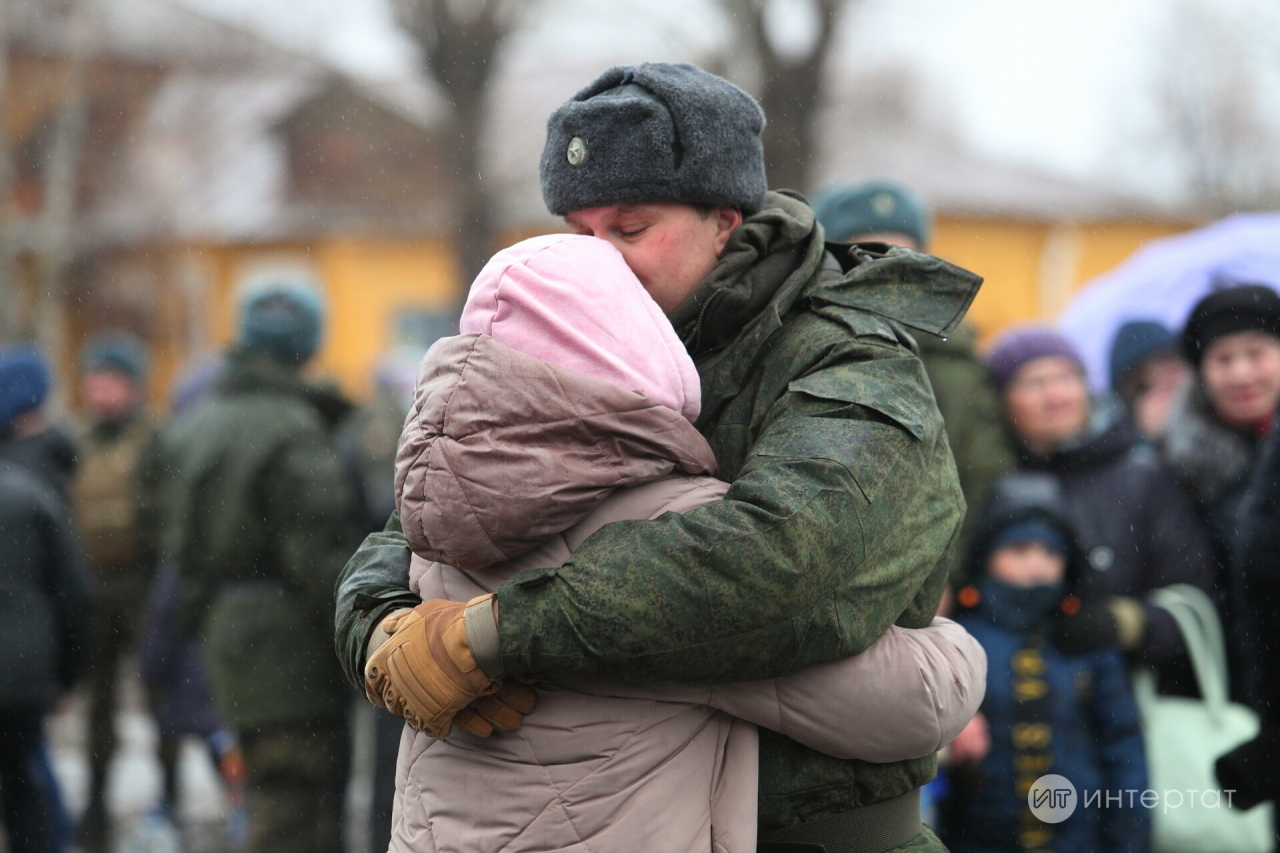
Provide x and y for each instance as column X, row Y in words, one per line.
column 504, row 710
column 425, row 672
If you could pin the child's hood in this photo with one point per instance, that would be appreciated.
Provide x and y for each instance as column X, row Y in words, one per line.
column 573, row 301
column 1016, row 498
column 501, row 450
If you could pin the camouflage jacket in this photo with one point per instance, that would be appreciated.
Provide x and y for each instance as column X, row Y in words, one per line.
column 258, row 516
column 843, row 505
column 974, row 418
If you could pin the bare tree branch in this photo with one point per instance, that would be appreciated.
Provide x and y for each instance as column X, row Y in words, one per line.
column 8, row 239
column 1211, row 113
column 459, row 42
column 62, row 165
column 791, row 89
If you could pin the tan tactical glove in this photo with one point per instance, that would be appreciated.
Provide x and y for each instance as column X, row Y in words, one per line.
column 427, row 674
column 504, row 710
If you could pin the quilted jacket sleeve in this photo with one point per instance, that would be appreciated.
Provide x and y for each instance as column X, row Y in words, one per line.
column 906, row 696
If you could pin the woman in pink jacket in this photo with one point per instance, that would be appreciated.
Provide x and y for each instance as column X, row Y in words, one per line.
column 568, row 403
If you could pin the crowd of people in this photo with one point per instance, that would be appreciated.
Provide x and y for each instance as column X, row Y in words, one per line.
column 678, row 553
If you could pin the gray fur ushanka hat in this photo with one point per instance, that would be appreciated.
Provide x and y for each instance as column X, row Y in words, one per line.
column 652, row 132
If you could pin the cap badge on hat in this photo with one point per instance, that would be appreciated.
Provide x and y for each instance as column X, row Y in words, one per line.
column 883, row 204
column 577, row 151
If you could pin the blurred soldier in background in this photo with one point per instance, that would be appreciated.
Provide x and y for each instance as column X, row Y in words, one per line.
column 44, row 614
column 883, row 212
column 258, row 518
column 112, row 498
column 44, row 449
column 369, row 442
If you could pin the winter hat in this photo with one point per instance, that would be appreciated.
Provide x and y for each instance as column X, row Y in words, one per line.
column 1030, row 530
column 874, row 207
column 1022, row 346
column 24, row 381
column 284, row 318
column 1027, row 498
column 1243, row 308
column 116, row 352
column 574, row 302
column 657, row 131
column 1134, row 343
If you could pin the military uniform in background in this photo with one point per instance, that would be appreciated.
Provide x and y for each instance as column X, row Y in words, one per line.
column 843, row 507
column 973, row 416
column 259, row 521
column 369, row 440
column 113, row 501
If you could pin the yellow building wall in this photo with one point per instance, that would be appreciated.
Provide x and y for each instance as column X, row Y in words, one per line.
column 1109, row 244
column 1007, row 256
column 1031, row 270
column 367, row 283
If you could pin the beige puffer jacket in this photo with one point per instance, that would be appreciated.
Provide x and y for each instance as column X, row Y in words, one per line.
column 508, row 463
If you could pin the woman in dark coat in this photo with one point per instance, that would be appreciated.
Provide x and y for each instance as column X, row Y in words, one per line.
column 44, row 616
column 1223, row 443
column 1214, row 436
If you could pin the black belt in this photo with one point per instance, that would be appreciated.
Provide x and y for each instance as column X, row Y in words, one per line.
column 876, row 828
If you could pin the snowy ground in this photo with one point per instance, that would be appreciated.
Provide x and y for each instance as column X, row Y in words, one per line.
column 134, row 787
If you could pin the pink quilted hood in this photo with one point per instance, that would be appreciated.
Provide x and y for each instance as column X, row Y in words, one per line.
column 573, row 301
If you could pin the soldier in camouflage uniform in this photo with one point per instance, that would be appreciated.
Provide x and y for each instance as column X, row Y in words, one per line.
column 844, row 500
column 884, row 212
column 881, row 211
column 259, row 518
column 111, row 495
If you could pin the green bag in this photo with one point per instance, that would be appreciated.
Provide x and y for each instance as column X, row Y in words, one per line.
column 1184, row 737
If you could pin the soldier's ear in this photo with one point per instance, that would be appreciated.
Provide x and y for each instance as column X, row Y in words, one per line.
column 727, row 221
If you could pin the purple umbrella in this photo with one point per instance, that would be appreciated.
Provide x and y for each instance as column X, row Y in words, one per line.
column 1164, row 279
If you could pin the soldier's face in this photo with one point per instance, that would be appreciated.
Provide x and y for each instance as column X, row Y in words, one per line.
column 670, row 247
column 1046, row 402
column 108, row 395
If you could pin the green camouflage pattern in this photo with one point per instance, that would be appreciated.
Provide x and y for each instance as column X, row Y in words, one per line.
column 258, row 517
column 843, row 506
column 974, row 418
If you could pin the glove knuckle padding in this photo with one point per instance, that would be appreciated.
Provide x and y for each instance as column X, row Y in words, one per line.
column 425, row 670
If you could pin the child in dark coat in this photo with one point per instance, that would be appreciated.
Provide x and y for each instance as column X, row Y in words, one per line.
column 1047, row 712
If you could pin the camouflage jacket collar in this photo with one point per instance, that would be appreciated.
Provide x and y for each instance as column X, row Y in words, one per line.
column 917, row 290
column 778, row 257
column 760, row 271
column 253, row 372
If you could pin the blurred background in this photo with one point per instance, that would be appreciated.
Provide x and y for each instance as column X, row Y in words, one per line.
column 157, row 155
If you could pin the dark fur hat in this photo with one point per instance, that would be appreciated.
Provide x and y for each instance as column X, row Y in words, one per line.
column 657, row 131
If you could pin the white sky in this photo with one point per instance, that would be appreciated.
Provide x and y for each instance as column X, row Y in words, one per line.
column 1063, row 86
